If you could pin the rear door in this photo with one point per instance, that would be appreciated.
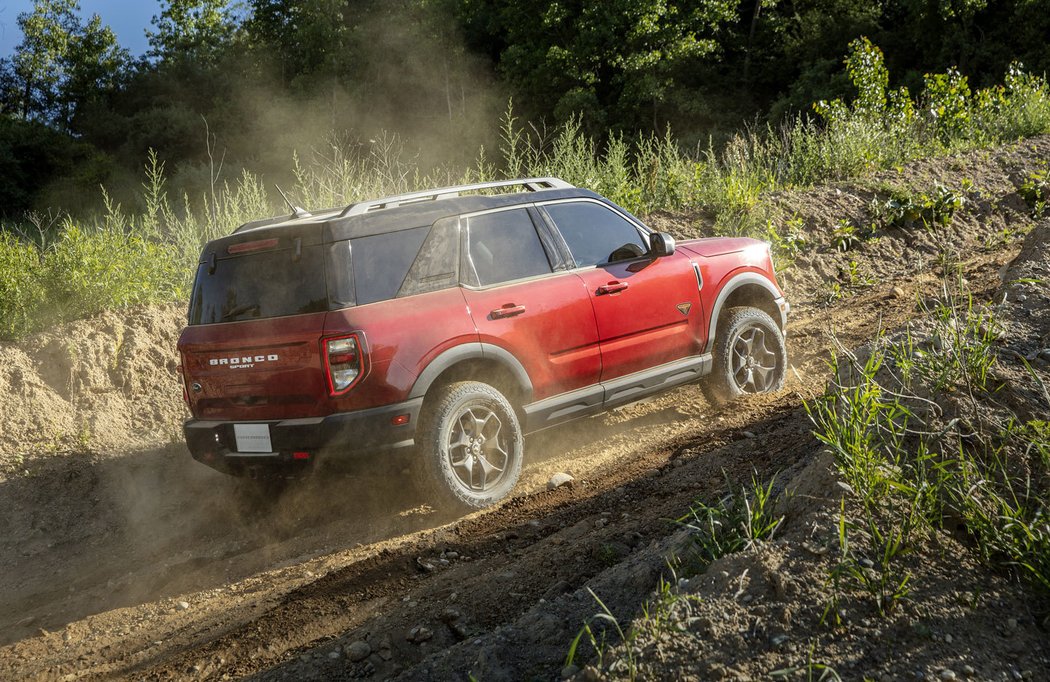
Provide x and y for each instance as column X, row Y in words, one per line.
column 647, row 310
column 251, row 350
column 523, row 299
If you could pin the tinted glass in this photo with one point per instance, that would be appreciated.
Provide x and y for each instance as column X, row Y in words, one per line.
column 258, row 285
column 504, row 246
column 437, row 264
column 381, row 262
column 596, row 234
column 340, row 282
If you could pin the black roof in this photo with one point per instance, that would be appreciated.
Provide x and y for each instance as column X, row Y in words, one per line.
column 332, row 225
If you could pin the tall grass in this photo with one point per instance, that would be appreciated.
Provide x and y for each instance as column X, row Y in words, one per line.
column 920, row 434
column 76, row 267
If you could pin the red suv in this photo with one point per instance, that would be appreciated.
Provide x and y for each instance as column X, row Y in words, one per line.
column 448, row 324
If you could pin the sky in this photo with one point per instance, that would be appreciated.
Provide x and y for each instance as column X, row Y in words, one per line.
column 129, row 19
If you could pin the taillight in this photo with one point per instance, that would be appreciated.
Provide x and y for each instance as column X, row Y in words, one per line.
column 344, row 363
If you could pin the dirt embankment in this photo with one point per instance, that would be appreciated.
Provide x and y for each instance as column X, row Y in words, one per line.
column 103, row 385
column 142, row 565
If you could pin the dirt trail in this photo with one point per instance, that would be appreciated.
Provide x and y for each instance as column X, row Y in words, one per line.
column 146, row 566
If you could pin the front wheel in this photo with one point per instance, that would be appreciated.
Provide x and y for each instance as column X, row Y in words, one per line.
column 472, row 446
column 749, row 356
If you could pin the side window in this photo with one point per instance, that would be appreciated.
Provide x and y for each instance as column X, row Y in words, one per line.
column 596, row 234
column 437, row 263
column 381, row 262
column 504, row 246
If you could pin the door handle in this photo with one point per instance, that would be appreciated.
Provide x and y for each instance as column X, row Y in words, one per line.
column 611, row 288
column 507, row 310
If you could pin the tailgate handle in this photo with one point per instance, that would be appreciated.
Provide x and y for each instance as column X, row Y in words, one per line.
column 611, row 287
column 507, row 310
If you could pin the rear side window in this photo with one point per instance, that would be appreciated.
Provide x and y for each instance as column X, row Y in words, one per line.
column 259, row 285
column 504, row 246
column 381, row 263
column 596, row 234
column 437, row 263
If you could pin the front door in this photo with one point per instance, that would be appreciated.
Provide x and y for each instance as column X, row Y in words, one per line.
column 647, row 309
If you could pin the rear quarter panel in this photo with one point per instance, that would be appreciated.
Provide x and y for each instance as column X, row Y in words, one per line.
column 402, row 336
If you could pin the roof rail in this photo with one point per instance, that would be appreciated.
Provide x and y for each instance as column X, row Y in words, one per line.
column 530, row 185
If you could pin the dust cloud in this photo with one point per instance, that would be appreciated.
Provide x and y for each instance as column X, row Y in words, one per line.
column 105, row 508
column 417, row 97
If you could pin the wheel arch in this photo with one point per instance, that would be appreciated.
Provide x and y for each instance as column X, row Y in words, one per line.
column 482, row 362
column 746, row 289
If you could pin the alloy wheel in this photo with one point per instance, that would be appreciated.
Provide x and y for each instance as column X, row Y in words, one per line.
column 754, row 364
column 477, row 448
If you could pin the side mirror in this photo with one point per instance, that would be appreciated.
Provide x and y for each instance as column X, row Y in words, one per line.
column 661, row 244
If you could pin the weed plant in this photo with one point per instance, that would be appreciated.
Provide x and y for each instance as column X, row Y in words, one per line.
column 907, row 211
column 746, row 516
column 812, row 670
column 922, row 442
column 1035, row 190
column 664, row 613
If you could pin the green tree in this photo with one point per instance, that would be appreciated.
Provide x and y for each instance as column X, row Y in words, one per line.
column 40, row 60
column 303, row 39
column 613, row 61
column 10, row 89
column 96, row 66
column 62, row 64
column 198, row 31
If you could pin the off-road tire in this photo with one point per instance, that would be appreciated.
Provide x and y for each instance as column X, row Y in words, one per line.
column 731, row 374
column 466, row 427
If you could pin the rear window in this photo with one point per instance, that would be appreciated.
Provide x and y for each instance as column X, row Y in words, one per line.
column 504, row 246
column 345, row 273
column 259, row 285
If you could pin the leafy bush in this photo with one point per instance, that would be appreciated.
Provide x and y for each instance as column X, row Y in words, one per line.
column 948, row 103
column 877, row 129
column 87, row 271
column 1018, row 108
column 928, row 209
column 81, row 272
column 21, row 285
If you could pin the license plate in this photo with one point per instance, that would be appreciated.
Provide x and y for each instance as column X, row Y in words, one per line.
column 252, row 437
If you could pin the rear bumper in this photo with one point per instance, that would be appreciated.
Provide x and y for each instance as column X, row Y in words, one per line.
column 297, row 442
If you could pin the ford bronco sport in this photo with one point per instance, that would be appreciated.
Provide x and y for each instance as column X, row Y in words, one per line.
column 448, row 324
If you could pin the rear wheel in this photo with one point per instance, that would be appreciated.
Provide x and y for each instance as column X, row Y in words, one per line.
column 749, row 356
column 471, row 444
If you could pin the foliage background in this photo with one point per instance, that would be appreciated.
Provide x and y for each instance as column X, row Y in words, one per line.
column 114, row 170
column 249, row 82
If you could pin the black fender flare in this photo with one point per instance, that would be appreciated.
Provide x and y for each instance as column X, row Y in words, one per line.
column 734, row 283
column 473, row 351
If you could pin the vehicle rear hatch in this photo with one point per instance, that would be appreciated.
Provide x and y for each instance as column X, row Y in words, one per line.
column 252, row 348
